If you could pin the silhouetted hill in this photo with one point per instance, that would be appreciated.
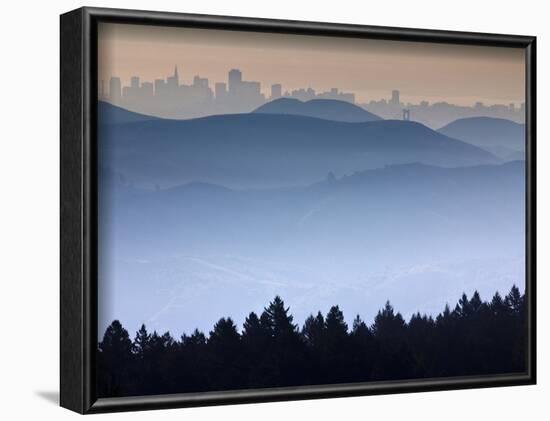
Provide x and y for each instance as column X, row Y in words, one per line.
column 400, row 206
column 413, row 172
column 327, row 109
column 111, row 114
column 271, row 150
column 501, row 137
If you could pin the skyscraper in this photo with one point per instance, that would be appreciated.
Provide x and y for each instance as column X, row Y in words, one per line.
column 200, row 82
column 395, row 97
column 146, row 89
column 235, row 78
column 221, row 91
column 134, row 82
column 160, row 86
column 173, row 82
column 115, row 89
column 276, row 91
column 132, row 91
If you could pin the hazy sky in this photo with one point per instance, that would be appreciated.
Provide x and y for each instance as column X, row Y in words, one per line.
column 369, row 68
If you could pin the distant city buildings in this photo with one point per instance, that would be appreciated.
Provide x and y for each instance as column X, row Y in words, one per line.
column 395, row 97
column 115, row 89
column 171, row 98
column 334, row 93
column 276, row 91
column 242, row 96
column 440, row 113
column 310, row 93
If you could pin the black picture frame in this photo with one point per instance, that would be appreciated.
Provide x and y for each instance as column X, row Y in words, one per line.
column 79, row 208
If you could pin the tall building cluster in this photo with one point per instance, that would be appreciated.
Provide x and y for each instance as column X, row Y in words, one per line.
column 171, row 98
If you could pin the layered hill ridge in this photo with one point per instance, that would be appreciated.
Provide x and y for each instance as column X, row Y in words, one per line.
column 227, row 210
column 112, row 114
column 269, row 150
column 504, row 138
column 400, row 207
column 326, row 109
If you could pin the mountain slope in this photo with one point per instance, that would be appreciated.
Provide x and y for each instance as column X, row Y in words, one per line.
column 111, row 114
column 501, row 137
column 396, row 207
column 327, row 109
column 270, row 150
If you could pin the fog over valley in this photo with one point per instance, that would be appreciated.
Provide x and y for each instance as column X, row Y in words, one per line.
column 213, row 217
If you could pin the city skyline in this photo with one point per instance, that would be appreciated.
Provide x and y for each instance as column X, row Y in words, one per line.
column 457, row 74
column 235, row 85
column 392, row 96
column 171, row 97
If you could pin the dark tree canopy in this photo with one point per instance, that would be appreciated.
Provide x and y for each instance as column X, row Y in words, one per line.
column 476, row 338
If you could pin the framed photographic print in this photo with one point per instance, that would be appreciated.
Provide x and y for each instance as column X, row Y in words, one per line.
column 257, row 210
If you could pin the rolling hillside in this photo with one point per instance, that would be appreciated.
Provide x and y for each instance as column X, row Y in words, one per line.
column 327, row 109
column 503, row 138
column 270, row 150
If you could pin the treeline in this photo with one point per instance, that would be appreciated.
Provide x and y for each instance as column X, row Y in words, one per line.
column 475, row 338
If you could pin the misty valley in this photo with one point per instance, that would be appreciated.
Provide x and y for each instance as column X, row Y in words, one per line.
column 214, row 216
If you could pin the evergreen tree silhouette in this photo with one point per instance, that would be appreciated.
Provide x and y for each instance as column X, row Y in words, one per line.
column 362, row 352
column 497, row 305
column 476, row 338
column 114, row 359
column 192, row 363
column 476, row 305
column 225, row 353
column 141, row 349
column 336, row 327
column 313, row 336
column 141, row 343
column 256, row 339
column 286, row 353
column 393, row 360
column 514, row 300
column 252, row 327
column 157, row 375
column 388, row 326
column 313, row 331
column 462, row 309
column 336, row 348
column 196, row 341
column 447, row 344
column 516, row 305
column 256, row 335
column 421, row 337
column 278, row 319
